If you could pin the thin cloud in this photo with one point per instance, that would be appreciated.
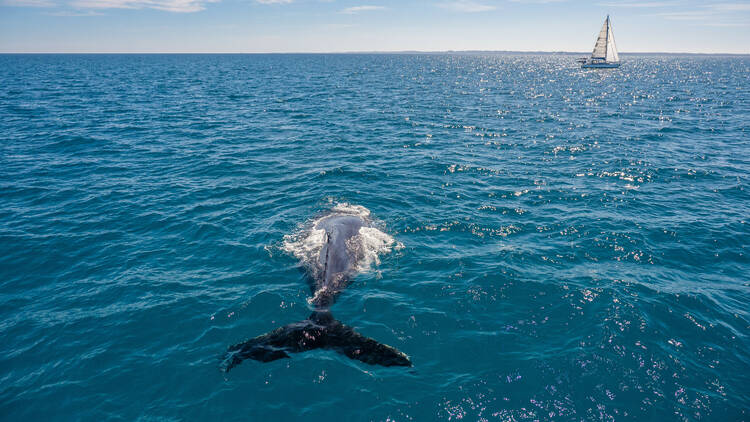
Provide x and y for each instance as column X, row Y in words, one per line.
column 74, row 13
column 537, row 1
column 359, row 9
column 691, row 15
column 719, row 15
column 467, row 6
column 731, row 7
column 29, row 3
column 179, row 6
column 90, row 7
column 724, row 24
column 639, row 4
column 338, row 26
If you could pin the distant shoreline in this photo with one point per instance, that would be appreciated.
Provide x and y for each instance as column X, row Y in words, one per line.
column 454, row 52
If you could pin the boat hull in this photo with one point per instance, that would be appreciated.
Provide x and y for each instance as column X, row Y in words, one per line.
column 600, row 65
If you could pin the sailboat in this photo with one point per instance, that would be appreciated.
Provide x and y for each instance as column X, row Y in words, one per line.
column 604, row 55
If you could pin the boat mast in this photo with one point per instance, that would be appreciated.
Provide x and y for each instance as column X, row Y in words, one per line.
column 606, row 44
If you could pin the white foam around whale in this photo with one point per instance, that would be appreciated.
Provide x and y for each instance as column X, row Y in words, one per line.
column 371, row 243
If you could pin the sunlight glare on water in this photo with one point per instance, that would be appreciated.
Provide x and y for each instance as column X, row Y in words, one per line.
column 550, row 243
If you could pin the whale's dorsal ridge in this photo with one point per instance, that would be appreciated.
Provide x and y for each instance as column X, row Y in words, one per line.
column 328, row 253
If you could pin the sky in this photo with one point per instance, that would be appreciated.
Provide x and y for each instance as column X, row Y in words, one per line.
column 258, row 26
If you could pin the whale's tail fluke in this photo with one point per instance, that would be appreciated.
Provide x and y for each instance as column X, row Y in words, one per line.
column 320, row 331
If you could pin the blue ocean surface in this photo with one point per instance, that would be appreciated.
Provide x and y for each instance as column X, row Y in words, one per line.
column 559, row 244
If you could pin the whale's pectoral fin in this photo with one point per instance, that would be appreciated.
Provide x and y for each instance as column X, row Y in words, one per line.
column 346, row 341
column 320, row 331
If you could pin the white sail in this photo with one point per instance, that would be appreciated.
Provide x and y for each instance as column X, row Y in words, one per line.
column 605, row 54
column 600, row 48
column 611, row 55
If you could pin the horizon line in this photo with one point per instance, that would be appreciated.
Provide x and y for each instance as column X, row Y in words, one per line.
column 386, row 52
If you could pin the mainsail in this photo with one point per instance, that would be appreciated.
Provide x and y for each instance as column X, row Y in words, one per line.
column 605, row 48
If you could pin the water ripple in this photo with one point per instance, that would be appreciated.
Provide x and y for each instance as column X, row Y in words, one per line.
column 574, row 242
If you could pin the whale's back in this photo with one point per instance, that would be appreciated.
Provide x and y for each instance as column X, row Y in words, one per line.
column 339, row 256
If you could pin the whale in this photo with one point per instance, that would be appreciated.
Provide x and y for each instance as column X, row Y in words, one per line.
column 330, row 271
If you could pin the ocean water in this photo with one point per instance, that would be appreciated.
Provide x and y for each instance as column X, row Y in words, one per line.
column 566, row 244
